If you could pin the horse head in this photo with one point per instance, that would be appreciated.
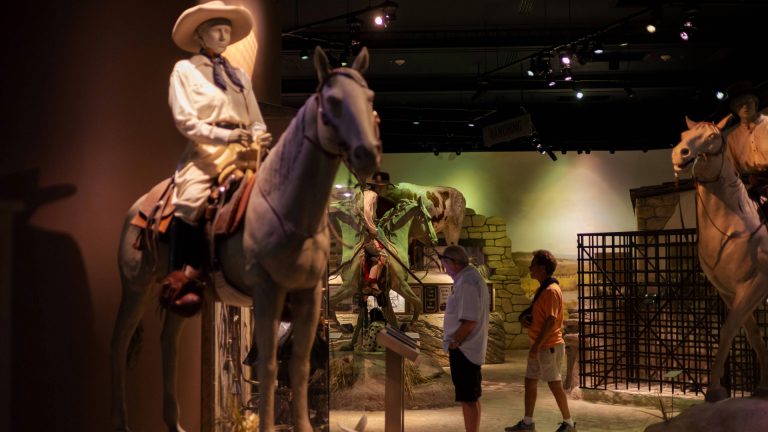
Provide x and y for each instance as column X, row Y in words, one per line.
column 701, row 141
column 349, row 125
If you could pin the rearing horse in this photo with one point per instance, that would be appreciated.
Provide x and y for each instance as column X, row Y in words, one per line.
column 733, row 243
column 396, row 229
column 282, row 248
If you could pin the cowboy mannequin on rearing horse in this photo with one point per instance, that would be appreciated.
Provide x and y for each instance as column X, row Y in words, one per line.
column 213, row 105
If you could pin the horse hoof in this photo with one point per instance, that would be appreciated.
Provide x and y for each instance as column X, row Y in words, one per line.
column 716, row 394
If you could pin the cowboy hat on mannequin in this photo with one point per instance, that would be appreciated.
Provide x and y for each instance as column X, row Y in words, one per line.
column 184, row 31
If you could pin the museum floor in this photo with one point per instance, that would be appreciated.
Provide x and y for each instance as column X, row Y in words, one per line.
column 502, row 405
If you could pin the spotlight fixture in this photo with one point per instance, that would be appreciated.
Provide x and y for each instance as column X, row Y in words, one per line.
column 304, row 54
column 435, row 151
column 655, row 20
column 471, row 124
column 631, row 94
column 597, row 47
column 458, row 152
column 533, row 68
column 550, row 79
column 565, row 58
column 551, row 155
column 687, row 29
column 344, row 58
column 567, row 74
column 578, row 93
column 386, row 16
column 354, row 24
column 720, row 95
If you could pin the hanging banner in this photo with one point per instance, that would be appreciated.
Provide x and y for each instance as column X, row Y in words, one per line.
column 507, row 130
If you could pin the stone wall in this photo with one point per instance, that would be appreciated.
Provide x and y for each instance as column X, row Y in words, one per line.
column 510, row 298
column 654, row 212
column 655, row 205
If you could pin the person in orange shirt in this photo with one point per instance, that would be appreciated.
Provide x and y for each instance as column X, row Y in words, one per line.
column 545, row 359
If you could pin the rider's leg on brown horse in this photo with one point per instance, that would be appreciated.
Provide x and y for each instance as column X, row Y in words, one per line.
column 181, row 291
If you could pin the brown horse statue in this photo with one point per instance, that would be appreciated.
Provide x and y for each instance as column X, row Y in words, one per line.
column 733, row 243
column 282, row 248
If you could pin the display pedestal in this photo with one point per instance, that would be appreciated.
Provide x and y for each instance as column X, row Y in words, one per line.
column 399, row 347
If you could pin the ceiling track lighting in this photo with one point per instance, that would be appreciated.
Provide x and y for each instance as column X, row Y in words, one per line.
column 550, row 79
column 567, row 74
column 654, row 22
column 386, row 16
column 688, row 28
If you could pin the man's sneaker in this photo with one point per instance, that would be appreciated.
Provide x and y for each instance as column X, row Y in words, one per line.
column 521, row 426
column 565, row 427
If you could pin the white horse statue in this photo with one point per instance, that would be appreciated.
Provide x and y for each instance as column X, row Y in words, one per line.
column 733, row 243
column 283, row 247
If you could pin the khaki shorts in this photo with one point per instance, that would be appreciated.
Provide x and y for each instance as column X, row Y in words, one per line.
column 547, row 364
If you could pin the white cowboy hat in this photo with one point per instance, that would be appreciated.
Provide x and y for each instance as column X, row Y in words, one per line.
column 184, row 29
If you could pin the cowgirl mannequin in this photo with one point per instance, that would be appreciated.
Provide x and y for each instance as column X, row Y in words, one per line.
column 213, row 105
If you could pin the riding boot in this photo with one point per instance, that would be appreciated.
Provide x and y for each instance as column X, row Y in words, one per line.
column 181, row 291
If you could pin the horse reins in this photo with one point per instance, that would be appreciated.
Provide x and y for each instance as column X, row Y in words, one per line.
column 721, row 153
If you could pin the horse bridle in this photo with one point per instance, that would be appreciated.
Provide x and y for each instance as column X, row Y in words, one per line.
column 321, row 111
column 707, row 155
column 287, row 226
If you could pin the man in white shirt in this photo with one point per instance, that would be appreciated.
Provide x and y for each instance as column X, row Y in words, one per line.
column 465, row 327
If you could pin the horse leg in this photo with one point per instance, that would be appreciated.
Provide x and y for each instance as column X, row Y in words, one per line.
column 169, row 342
column 345, row 291
column 356, row 331
column 758, row 344
column 306, row 305
column 741, row 309
column 267, row 307
column 128, row 317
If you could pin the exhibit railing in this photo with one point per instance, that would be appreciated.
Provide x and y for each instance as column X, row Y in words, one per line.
column 649, row 319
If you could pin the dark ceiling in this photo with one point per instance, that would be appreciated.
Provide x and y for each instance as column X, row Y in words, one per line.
column 443, row 66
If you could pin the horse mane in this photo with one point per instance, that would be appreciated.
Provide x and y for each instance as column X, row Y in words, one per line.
column 282, row 158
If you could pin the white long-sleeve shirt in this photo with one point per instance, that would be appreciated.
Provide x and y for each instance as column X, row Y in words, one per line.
column 197, row 105
column 748, row 145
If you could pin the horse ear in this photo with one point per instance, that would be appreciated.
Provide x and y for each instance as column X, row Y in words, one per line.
column 691, row 124
column 321, row 64
column 361, row 424
column 361, row 61
column 721, row 124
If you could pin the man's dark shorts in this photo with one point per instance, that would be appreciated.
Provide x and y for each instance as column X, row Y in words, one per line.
column 465, row 375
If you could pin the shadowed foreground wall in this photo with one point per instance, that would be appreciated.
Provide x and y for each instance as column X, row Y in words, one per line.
column 90, row 87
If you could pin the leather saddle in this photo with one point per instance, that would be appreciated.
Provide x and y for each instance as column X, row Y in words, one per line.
column 223, row 215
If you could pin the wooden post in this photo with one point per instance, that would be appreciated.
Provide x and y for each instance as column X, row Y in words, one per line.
column 399, row 347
